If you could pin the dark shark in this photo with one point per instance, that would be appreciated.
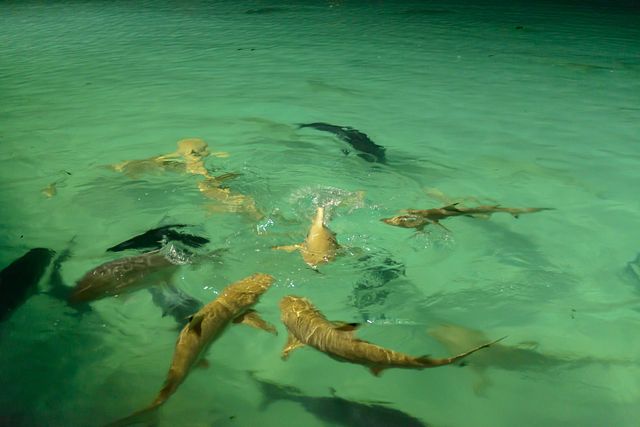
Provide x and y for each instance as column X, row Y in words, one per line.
column 175, row 303
column 157, row 237
column 337, row 411
column 123, row 275
column 18, row 281
column 367, row 149
column 370, row 291
column 633, row 269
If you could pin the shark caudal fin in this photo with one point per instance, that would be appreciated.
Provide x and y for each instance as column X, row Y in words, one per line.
column 428, row 362
column 272, row 392
column 147, row 417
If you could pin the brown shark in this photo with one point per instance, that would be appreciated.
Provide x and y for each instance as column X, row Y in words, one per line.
column 320, row 246
column 419, row 218
column 307, row 326
column 232, row 305
column 123, row 275
column 189, row 158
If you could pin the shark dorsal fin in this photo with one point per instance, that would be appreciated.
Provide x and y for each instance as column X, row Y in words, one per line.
column 452, row 207
column 376, row 370
column 195, row 323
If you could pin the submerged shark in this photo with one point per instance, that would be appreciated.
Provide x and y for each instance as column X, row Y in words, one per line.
column 232, row 305
column 123, row 275
column 419, row 218
column 338, row 411
column 320, row 246
column 633, row 269
column 370, row 290
column 18, row 281
column 307, row 326
column 367, row 149
column 521, row 357
column 174, row 302
column 157, row 237
column 57, row 287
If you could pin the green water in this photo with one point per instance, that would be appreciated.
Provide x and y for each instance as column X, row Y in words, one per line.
column 467, row 104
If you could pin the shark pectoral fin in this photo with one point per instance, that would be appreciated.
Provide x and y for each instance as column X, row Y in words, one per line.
column 345, row 327
column 292, row 344
column 438, row 223
column 288, row 248
column 252, row 318
column 376, row 370
column 483, row 216
column 195, row 323
column 202, row 363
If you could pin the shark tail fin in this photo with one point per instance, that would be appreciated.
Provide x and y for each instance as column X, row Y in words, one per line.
column 271, row 392
column 147, row 417
column 428, row 362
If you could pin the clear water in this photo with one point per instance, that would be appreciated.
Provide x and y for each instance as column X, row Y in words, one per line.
column 468, row 106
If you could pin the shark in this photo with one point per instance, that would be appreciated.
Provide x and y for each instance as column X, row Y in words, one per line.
column 366, row 148
column 174, row 302
column 308, row 326
column 157, row 237
column 521, row 357
column 233, row 305
column 123, row 275
column 320, row 245
column 19, row 280
column 335, row 410
column 419, row 218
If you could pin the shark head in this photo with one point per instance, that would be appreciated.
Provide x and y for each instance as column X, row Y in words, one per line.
column 247, row 291
column 193, row 148
column 294, row 305
column 406, row 221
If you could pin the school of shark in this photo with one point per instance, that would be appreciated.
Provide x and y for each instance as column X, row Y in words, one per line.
column 150, row 265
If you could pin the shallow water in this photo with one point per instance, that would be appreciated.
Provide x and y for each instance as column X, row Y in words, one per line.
column 518, row 104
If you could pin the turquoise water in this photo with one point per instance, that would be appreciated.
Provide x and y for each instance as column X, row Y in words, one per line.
column 481, row 102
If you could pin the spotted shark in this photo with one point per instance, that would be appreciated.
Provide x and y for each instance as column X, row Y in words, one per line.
column 233, row 305
column 320, row 246
column 123, row 275
column 308, row 326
